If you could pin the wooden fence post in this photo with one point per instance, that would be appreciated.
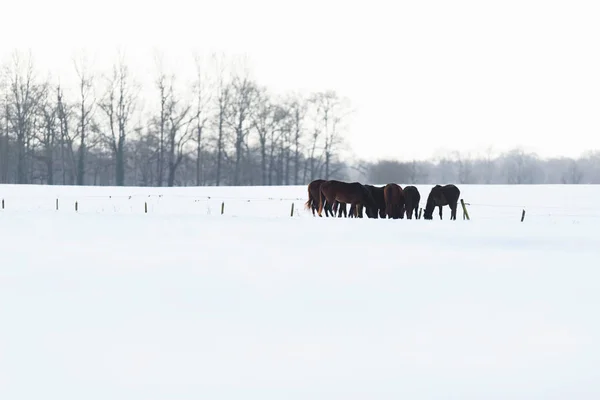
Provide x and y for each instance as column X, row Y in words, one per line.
column 523, row 215
column 3, row 204
column 222, row 208
column 56, row 204
column 292, row 212
column 465, row 212
column 76, row 207
column 146, row 207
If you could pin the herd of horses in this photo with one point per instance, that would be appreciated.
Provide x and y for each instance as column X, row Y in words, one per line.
column 389, row 201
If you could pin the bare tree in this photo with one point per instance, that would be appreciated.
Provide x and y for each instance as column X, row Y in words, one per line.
column 67, row 154
column 331, row 110
column 245, row 95
column 179, row 122
column 267, row 120
column 23, row 100
column 519, row 167
column 118, row 105
column 4, row 142
column 297, row 109
column 223, row 99
column 203, row 99
column 573, row 174
column 488, row 166
column 86, row 106
column 47, row 135
column 163, row 90
column 465, row 168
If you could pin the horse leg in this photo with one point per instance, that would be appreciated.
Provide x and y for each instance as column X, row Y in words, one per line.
column 440, row 211
column 453, row 211
column 342, row 210
column 329, row 205
column 354, row 208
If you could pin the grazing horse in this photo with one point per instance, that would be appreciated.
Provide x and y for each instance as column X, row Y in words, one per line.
column 411, row 200
column 314, row 188
column 354, row 193
column 442, row 196
column 379, row 196
column 394, row 201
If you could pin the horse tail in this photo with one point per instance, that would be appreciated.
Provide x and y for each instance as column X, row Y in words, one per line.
column 310, row 203
column 321, row 202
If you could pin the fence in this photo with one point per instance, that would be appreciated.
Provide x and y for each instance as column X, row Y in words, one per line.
column 268, row 206
column 158, row 204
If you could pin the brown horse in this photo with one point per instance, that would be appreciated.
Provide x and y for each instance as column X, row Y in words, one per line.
column 379, row 196
column 412, row 197
column 313, row 195
column 314, row 188
column 394, row 201
column 442, row 196
column 354, row 193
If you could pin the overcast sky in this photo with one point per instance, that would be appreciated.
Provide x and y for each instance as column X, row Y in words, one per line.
column 424, row 77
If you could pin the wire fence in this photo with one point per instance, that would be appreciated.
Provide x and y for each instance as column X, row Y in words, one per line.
column 270, row 206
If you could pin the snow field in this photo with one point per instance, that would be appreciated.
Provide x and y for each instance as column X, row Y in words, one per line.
column 180, row 303
column 546, row 203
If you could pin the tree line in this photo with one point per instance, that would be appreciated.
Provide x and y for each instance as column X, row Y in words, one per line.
column 221, row 128
column 512, row 167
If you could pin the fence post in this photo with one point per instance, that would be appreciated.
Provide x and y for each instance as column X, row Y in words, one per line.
column 3, row 204
column 465, row 212
column 523, row 215
column 76, row 207
column 222, row 208
column 56, row 204
column 292, row 212
column 146, row 207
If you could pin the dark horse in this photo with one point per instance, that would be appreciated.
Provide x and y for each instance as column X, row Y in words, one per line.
column 394, row 201
column 354, row 193
column 442, row 196
column 379, row 196
column 314, row 189
column 412, row 197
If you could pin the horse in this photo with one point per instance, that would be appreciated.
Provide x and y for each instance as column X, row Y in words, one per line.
column 411, row 200
column 379, row 196
column 314, row 188
column 394, row 201
column 442, row 196
column 354, row 193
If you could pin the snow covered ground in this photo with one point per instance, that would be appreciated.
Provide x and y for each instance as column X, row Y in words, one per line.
column 185, row 303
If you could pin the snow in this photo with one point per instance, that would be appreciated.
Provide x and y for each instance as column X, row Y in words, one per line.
column 185, row 303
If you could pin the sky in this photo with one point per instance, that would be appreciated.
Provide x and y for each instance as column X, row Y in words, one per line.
column 424, row 78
